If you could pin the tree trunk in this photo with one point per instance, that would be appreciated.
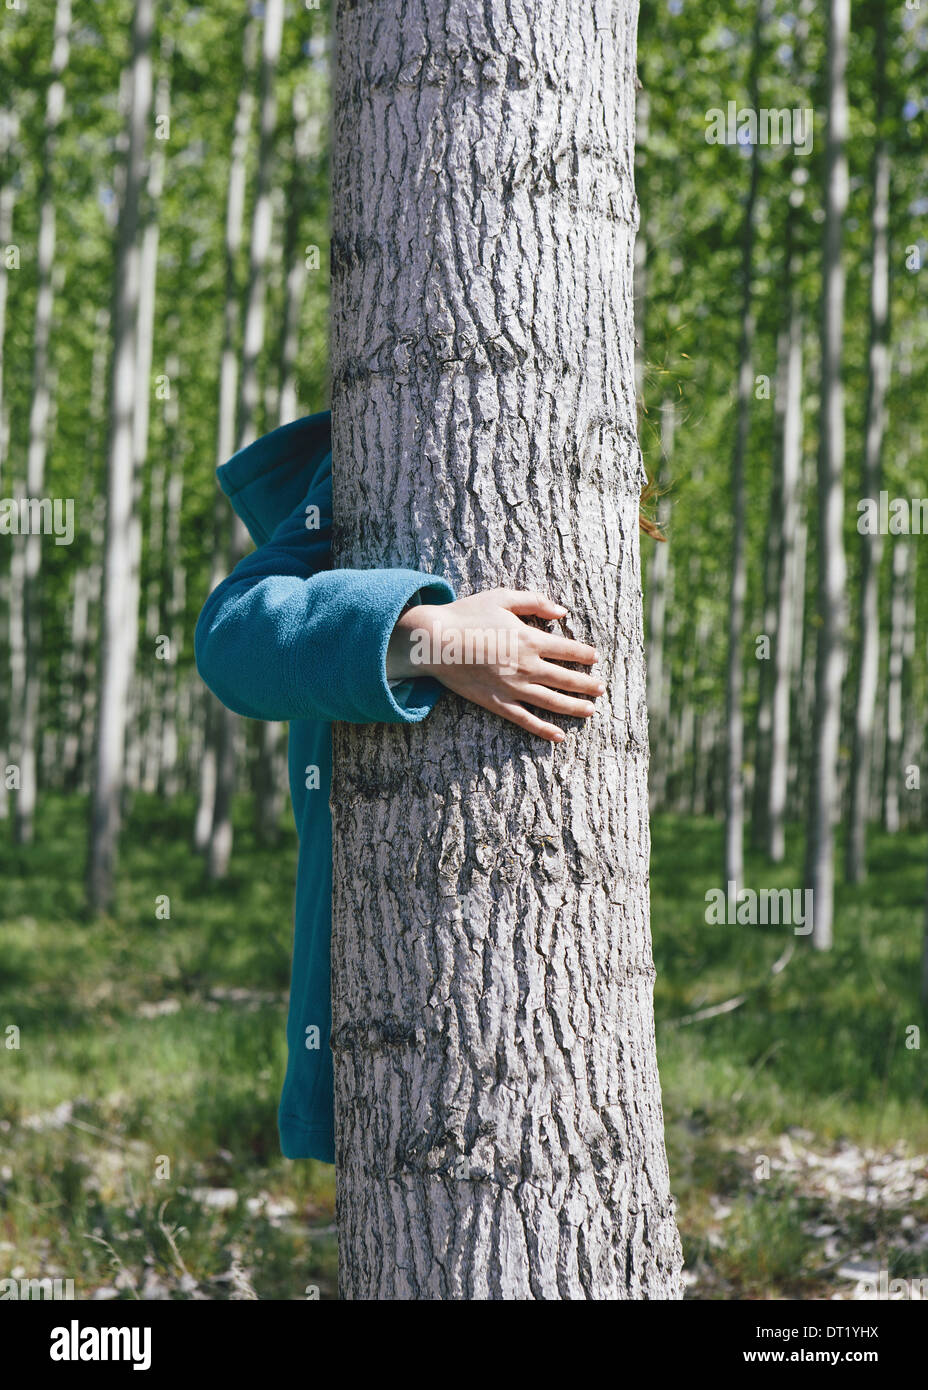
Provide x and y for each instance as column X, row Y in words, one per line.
column 176, row 583
column 307, row 129
column 145, row 708
column 219, row 850
column 772, row 560
column 832, row 569
column 875, row 430
column 733, row 866
column 8, row 190
column 924, row 990
column 8, row 129
column 24, row 819
column 892, row 770
column 498, row 1114
column 800, row 629
column 912, row 716
column 659, row 578
column 790, row 466
column 120, row 616
column 213, row 711
column 640, row 279
column 95, row 504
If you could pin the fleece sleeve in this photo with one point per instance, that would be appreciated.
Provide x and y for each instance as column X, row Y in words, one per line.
column 285, row 638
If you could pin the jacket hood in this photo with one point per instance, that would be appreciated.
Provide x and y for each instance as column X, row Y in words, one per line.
column 268, row 479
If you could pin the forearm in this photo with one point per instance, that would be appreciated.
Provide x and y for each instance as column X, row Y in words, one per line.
column 404, row 649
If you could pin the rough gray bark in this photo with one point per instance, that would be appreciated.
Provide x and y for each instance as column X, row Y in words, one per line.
column 39, row 413
column 832, row 567
column 498, row 1115
column 875, row 431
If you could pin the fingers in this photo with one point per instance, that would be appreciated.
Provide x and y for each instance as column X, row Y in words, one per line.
column 561, row 678
column 542, row 698
column 557, row 703
column 518, row 714
column 524, row 601
column 552, row 646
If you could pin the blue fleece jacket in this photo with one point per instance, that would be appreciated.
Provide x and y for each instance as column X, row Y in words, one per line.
column 286, row 637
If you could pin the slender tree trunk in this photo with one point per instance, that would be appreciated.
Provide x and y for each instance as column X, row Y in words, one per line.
column 658, row 585
column 8, row 128
column 225, row 437
column 640, row 281
column 924, row 989
column 269, row 779
column 912, row 708
column 733, row 867
column 875, row 430
column 95, row 504
column 144, row 713
column 219, row 849
column 24, row 819
column 150, row 739
column 701, row 730
column 790, row 466
column 120, row 616
column 175, row 582
column 498, row 1115
column 307, row 128
column 832, row 568
column 772, row 559
column 892, row 770
column 8, row 189
column 799, row 628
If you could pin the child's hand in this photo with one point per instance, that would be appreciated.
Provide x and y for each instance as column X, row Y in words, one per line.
column 480, row 649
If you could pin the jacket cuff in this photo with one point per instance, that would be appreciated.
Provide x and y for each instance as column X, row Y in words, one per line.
column 371, row 601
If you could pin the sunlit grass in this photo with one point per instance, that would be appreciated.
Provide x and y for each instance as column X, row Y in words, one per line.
column 152, row 1051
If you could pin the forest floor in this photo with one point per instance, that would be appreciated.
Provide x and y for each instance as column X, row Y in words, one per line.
column 138, row 1138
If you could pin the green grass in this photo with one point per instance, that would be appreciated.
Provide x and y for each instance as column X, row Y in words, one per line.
column 152, row 1050
column 817, row 1051
column 165, row 1104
